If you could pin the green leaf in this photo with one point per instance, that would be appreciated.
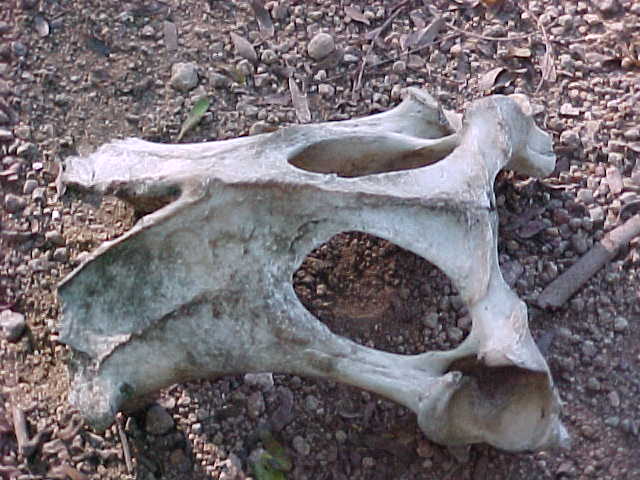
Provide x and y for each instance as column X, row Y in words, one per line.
column 277, row 452
column 197, row 112
column 263, row 469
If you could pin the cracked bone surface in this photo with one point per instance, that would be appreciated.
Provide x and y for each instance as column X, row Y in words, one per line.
column 201, row 286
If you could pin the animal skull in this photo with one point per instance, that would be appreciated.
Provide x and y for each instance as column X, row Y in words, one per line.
column 201, row 285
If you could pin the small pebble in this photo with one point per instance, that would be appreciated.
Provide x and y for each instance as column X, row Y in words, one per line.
column 620, row 324
column 29, row 186
column 12, row 325
column 585, row 195
column 60, row 255
column 184, row 76
column 320, row 46
column 14, row 203
column 570, row 139
column 301, row 445
column 158, row 421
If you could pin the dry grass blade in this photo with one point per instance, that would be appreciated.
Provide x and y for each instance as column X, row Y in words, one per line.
column 264, row 19
column 547, row 66
column 299, row 102
column 354, row 13
column 197, row 112
column 374, row 37
column 244, row 48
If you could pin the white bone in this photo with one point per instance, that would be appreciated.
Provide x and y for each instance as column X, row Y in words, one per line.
column 201, row 287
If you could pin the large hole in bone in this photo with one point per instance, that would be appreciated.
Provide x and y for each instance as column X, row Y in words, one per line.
column 358, row 155
column 370, row 290
column 505, row 401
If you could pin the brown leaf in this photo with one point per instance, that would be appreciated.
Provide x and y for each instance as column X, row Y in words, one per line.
column 426, row 35
column 299, row 102
column 488, row 80
column 244, row 48
column 354, row 13
column 264, row 19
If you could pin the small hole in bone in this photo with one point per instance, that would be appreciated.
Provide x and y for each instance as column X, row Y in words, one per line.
column 359, row 155
column 365, row 287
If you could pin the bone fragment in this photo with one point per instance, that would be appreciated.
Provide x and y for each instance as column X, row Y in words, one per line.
column 201, row 285
column 570, row 281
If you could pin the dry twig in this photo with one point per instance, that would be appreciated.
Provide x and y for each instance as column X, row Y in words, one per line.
column 125, row 444
column 563, row 287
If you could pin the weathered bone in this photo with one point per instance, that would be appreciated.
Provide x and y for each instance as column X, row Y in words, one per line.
column 202, row 286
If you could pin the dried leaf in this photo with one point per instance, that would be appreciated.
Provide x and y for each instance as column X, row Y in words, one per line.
column 244, row 48
column 264, row 19
column 493, row 3
column 41, row 24
column 299, row 102
column 98, row 46
column 488, row 80
column 197, row 112
column 427, row 34
column 354, row 13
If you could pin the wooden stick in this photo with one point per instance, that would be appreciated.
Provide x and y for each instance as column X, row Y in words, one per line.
column 125, row 444
column 563, row 287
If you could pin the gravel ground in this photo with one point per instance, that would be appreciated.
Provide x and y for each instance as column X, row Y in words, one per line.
column 75, row 74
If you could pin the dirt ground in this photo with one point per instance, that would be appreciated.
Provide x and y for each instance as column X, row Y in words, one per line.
column 75, row 74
